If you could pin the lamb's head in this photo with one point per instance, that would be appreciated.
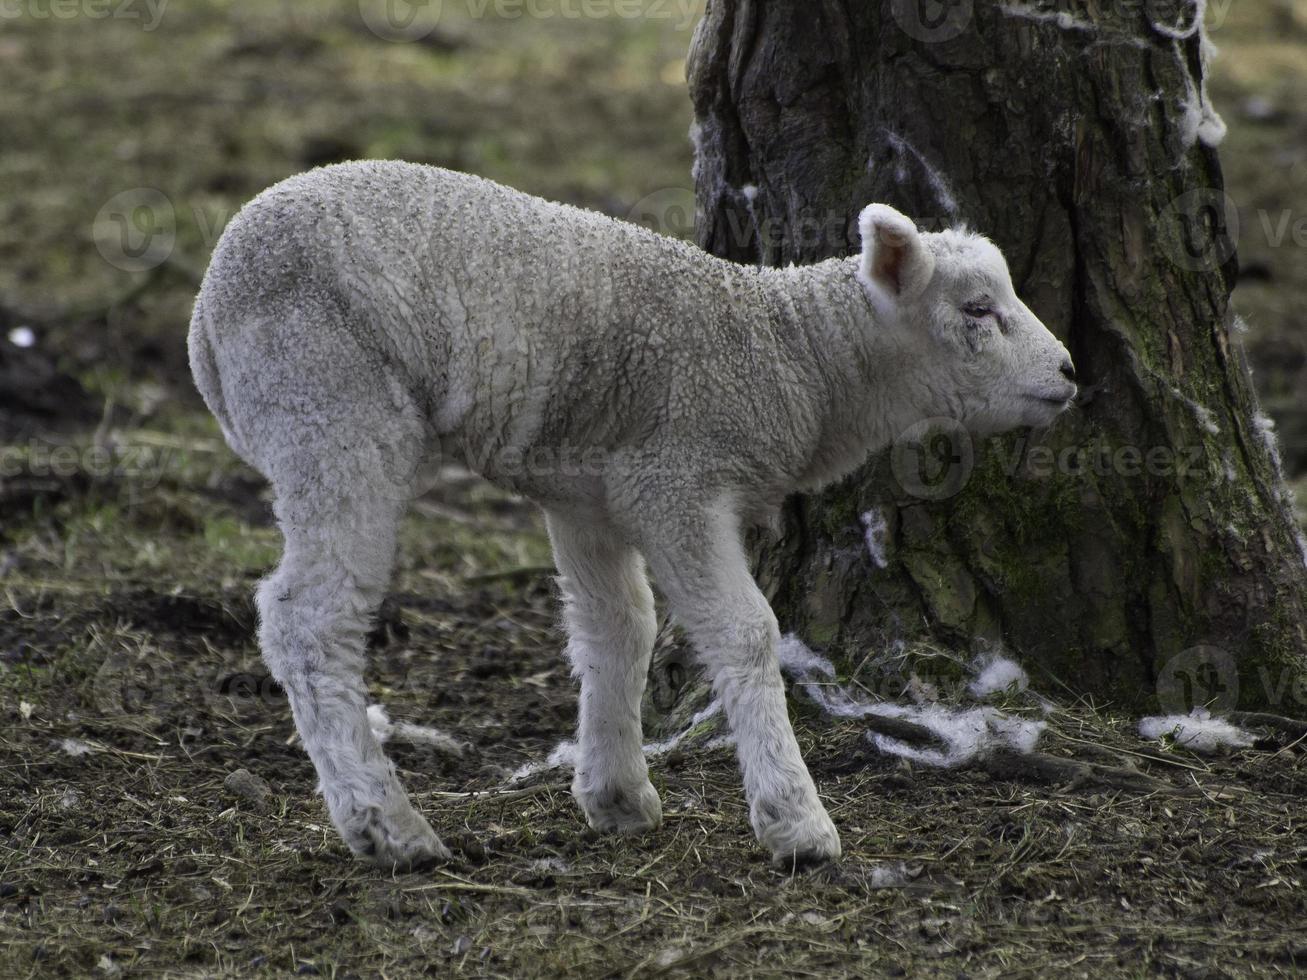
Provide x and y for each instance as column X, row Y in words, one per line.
column 973, row 351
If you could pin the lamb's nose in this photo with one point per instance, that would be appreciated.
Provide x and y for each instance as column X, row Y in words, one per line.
column 1068, row 371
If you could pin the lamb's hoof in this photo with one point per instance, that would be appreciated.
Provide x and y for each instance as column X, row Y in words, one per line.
column 798, row 837
column 616, row 810
column 401, row 840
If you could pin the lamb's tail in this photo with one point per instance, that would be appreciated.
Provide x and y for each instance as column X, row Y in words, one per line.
column 204, row 369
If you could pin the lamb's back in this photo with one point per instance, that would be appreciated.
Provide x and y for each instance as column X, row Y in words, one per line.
column 515, row 321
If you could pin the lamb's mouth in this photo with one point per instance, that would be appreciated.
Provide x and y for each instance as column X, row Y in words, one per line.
column 1061, row 400
column 1056, row 403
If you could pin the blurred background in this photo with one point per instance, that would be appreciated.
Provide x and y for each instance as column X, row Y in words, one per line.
column 129, row 140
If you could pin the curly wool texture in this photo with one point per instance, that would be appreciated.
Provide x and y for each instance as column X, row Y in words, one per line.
column 1197, row 731
column 968, row 733
column 512, row 325
column 998, row 675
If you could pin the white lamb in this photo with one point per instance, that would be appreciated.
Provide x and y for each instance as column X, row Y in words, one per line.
column 360, row 322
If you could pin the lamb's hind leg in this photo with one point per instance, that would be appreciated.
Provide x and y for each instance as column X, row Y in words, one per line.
column 315, row 611
column 609, row 613
column 698, row 560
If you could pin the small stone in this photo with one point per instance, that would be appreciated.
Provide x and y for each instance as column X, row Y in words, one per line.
column 248, row 786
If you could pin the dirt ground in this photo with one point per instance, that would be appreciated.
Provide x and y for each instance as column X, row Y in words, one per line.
column 131, row 540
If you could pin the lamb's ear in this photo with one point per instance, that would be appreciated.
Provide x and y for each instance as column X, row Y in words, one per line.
column 894, row 258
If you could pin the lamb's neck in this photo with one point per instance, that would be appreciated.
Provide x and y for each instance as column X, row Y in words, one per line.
column 865, row 397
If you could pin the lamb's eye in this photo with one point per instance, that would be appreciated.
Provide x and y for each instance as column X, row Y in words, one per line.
column 978, row 311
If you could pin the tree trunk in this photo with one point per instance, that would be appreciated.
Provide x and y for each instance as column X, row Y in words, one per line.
column 1142, row 550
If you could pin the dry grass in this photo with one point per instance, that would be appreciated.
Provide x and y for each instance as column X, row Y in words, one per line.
column 134, row 858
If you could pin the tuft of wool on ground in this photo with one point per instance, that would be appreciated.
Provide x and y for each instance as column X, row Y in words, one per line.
column 1197, row 731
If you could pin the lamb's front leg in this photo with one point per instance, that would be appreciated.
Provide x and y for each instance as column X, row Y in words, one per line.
column 698, row 561
column 609, row 612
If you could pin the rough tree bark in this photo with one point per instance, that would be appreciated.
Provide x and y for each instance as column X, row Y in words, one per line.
column 1147, row 538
